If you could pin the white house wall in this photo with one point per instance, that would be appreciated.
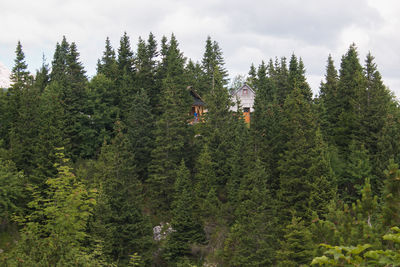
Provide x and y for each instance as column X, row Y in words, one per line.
column 246, row 101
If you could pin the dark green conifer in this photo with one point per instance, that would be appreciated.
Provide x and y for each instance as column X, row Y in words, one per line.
column 118, row 219
column 107, row 65
column 297, row 247
column 171, row 129
column 391, row 196
column 187, row 228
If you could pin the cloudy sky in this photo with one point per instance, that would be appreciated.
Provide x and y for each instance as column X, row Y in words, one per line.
column 247, row 31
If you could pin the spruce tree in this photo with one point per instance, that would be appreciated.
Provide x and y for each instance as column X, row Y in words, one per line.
column 281, row 79
column 102, row 110
column 330, row 101
column 213, row 63
column 139, row 123
column 297, row 246
column 146, row 65
column 252, row 76
column 250, row 240
column 54, row 232
column 376, row 108
column 69, row 75
column 107, row 65
column 357, row 169
column 171, row 129
column 42, row 77
column 350, row 90
column 118, row 219
column 391, row 196
column 295, row 182
column 23, row 108
column 186, row 227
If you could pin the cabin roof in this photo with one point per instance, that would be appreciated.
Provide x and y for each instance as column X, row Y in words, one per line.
column 197, row 100
column 242, row 87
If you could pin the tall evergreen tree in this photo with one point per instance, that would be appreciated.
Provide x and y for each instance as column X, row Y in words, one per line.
column 351, row 87
column 391, row 196
column 376, row 108
column 281, row 79
column 297, row 247
column 250, row 240
column 146, row 63
column 171, row 129
column 140, row 126
column 330, row 101
column 187, row 228
column 213, row 63
column 118, row 219
column 107, row 65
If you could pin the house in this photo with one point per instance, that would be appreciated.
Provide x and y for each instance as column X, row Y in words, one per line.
column 198, row 106
column 245, row 95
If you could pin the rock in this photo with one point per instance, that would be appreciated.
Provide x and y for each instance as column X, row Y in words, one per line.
column 162, row 231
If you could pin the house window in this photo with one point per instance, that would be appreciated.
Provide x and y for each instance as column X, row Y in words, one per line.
column 244, row 91
column 246, row 109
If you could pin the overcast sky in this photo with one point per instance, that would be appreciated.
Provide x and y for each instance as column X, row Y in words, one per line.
column 247, row 31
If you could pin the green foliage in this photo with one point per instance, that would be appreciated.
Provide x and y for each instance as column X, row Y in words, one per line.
column 296, row 246
column 54, row 232
column 250, row 239
column 12, row 192
column 118, row 219
column 359, row 256
column 357, row 170
column 172, row 132
column 391, row 196
column 186, row 228
column 235, row 194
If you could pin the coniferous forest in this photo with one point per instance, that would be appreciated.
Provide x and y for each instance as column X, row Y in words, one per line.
column 110, row 171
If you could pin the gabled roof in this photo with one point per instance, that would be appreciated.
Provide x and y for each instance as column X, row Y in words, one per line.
column 197, row 100
column 242, row 87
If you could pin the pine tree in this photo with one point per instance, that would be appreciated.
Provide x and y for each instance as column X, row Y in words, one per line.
column 281, row 79
column 358, row 168
column 330, row 101
column 350, row 91
column 250, row 240
column 69, row 75
column 54, row 233
column 215, row 73
column 297, row 246
column 102, row 110
column 324, row 184
column 186, row 227
column 50, row 131
column 171, row 130
column 146, row 62
column 23, row 108
column 295, row 162
column 126, row 78
column 252, row 76
column 376, row 107
column 20, row 74
column 391, row 196
column 42, row 77
column 139, row 123
column 59, row 63
column 107, row 65
column 118, row 219
column 125, row 56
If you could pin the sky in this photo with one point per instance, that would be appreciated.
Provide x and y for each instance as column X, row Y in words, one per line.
column 247, row 31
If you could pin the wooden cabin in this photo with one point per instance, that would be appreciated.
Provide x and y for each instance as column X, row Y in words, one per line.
column 198, row 106
column 245, row 95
